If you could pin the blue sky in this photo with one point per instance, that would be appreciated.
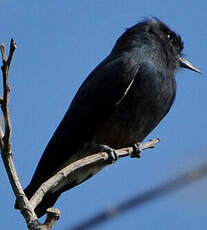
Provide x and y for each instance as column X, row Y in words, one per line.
column 59, row 44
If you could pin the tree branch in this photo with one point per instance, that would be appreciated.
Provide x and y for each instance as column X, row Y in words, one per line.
column 6, row 149
column 5, row 139
column 61, row 178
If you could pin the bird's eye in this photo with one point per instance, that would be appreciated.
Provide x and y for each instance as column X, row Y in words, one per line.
column 170, row 37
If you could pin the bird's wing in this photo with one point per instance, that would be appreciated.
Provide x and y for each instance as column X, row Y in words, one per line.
column 97, row 97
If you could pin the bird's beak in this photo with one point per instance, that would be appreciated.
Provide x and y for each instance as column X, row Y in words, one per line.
column 186, row 64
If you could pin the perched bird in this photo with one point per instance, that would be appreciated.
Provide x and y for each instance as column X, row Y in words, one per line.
column 118, row 105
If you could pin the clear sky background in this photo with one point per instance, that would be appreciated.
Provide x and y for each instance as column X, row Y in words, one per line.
column 59, row 44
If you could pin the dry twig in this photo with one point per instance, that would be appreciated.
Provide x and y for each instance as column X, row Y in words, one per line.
column 60, row 179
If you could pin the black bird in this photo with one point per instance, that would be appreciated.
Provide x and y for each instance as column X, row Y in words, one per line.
column 118, row 105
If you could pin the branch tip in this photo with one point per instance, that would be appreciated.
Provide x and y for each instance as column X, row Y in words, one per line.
column 3, row 52
column 13, row 46
column 53, row 214
column 13, row 43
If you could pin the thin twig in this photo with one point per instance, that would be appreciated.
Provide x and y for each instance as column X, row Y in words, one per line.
column 3, row 52
column 13, row 47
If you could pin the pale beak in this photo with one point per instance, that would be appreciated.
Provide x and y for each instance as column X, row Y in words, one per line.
column 186, row 64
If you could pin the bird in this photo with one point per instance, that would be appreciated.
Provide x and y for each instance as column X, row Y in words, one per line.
column 121, row 101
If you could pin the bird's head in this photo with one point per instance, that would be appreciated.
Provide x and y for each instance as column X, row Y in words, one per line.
column 156, row 35
column 171, row 41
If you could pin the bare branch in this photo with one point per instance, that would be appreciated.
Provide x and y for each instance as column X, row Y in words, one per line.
column 13, row 46
column 3, row 52
column 128, row 150
column 5, row 139
column 53, row 214
column 61, row 178
column 6, row 151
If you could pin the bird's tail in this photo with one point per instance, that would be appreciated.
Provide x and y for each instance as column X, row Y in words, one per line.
column 48, row 200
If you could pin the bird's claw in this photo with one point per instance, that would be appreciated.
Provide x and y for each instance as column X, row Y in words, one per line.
column 136, row 151
column 112, row 156
column 111, row 153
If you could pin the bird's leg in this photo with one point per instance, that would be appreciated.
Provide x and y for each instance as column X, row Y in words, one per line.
column 136, row 150
column 111, row 153
column 95, row 148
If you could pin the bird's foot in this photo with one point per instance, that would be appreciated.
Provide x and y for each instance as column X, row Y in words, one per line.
column 136, row 151
column 111, row 153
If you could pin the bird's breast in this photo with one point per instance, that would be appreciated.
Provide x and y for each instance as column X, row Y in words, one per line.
column 146, row 103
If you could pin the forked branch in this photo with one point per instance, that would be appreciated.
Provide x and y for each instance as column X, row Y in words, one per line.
column 6, row 147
